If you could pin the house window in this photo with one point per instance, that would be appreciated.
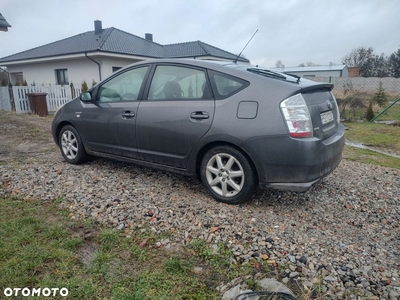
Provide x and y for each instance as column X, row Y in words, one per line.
column 115, row 69
column 17, row 78
column 62, row 76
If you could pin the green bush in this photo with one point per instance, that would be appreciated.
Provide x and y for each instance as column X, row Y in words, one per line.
column 370, row 113
column 380, row 96
column 84, row 86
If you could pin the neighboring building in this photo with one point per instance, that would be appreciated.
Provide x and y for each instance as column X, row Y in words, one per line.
column 3, row 23
column 354, row 71
column 316, row 71
column 94, row 55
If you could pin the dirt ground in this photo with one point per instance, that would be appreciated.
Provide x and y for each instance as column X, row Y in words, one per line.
column 25, row 136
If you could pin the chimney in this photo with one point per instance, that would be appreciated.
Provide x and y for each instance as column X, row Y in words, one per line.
column 97, row 27
column 149, row 37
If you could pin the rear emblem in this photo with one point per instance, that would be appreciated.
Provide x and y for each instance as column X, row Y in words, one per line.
column 329, row 104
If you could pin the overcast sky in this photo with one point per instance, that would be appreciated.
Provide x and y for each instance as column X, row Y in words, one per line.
column 293, row 31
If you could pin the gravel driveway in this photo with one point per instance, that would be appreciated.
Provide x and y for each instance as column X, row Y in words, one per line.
column 343, row 234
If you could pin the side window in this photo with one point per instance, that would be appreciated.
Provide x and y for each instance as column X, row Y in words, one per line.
column 226, row 85
column 173, row 82
column 124, row 87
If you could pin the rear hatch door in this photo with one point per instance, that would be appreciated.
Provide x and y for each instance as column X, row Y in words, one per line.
column 323, row 110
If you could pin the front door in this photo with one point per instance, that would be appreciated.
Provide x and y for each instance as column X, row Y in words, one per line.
column 178, row 112
column 108, row 124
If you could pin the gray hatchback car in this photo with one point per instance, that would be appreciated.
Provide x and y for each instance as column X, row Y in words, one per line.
column 233, row 126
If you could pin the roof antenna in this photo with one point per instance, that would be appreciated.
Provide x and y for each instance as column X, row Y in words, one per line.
column 237, row 57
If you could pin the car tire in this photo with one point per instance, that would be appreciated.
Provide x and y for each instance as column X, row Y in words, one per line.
column 228, row 175
column 71, row 146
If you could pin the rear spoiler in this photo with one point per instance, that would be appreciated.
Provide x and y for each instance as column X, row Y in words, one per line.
column 318, row 86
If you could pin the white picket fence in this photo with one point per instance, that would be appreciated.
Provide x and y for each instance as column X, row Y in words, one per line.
column 56, row 97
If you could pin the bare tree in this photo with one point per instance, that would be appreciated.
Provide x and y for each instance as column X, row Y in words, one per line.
column 358, row 57
column 279, row 64
column 308, row 64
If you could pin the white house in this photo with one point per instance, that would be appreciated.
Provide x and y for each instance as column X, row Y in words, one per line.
column 94, row 55
column 316, row 71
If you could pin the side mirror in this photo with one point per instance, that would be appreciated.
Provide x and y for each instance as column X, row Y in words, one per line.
column 86, row 97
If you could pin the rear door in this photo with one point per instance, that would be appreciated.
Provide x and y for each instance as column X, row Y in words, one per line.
column 108, row 124
column 179, row 110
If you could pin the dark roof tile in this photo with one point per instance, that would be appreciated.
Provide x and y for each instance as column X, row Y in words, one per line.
column 113, row 40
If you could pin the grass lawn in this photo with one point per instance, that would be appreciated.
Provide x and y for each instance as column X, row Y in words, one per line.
column 379, row 136
column 41, row 247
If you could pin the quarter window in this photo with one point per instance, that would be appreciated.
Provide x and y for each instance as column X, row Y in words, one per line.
column 173, row 82
column 226, row 85
column 124, row 87
column 62, row 76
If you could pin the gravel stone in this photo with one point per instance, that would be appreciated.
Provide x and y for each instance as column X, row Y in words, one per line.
column 345, row 230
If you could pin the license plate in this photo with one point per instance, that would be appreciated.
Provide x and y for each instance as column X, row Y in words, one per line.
column 326, row 117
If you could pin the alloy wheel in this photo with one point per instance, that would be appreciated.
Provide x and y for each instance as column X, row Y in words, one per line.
column 225, row 175
column 69, row 144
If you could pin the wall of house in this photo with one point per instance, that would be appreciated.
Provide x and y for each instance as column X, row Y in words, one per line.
column 44, row 72
column 79, row 69
column 107, row 64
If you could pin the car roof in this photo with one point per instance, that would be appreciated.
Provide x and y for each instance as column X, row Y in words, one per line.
column 231, row 68
column 198, row 62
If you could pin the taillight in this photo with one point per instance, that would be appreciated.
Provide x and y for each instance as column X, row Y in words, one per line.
column 297, row 116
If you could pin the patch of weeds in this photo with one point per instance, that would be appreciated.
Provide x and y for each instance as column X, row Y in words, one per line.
column 177, row 265
column 252, row 284
column 59, row 200
column 138, row 253
column 63, row 213
column 198, row 245
column 102, row 258
column 109, row 239
column 122, row 293
column 317, row 290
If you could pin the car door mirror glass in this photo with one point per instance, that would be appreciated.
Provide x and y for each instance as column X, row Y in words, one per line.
column 86, row 97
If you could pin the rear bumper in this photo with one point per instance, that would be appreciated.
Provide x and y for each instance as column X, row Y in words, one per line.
column 292, row 164
column 291, row 187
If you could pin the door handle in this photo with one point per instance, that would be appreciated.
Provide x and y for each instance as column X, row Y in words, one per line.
column 199, row 115
column 128, row 114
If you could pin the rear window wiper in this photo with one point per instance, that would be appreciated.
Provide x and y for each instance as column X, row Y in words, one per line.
column 295, row 76
column 271, row 74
